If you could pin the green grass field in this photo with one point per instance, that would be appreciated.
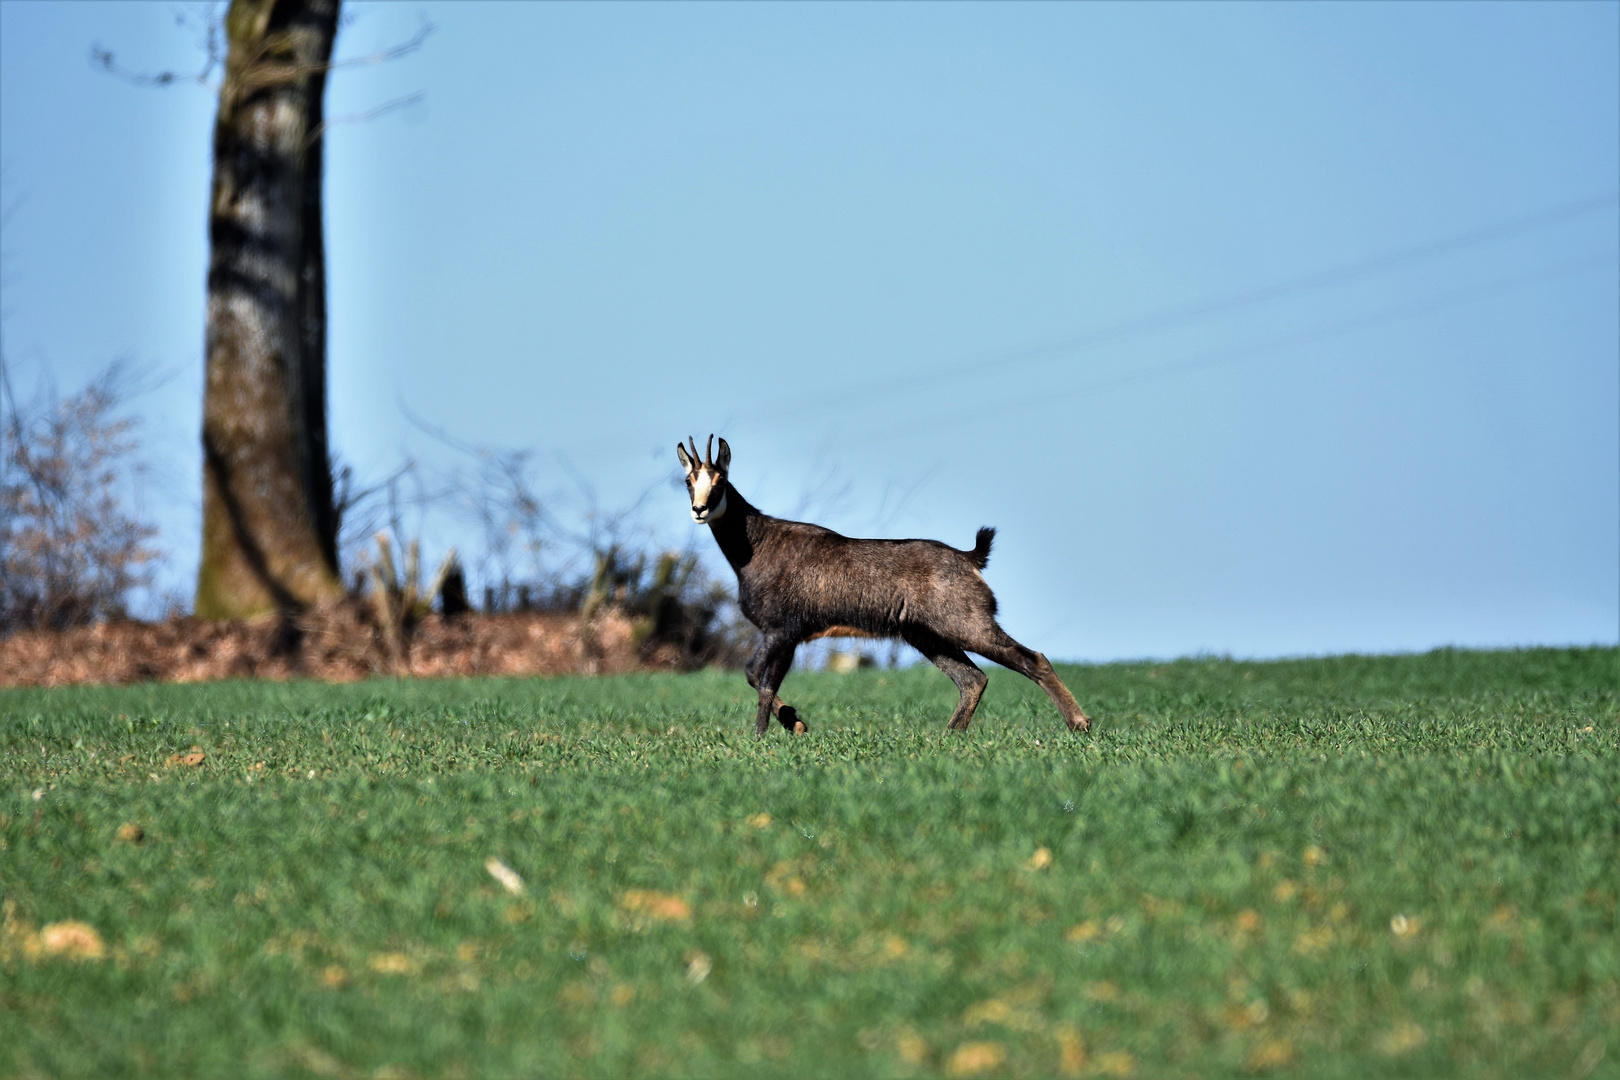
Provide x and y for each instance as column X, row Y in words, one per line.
column 1397, row 866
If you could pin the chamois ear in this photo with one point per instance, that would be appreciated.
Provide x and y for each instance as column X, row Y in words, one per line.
column 686, row 462
column 723, row 462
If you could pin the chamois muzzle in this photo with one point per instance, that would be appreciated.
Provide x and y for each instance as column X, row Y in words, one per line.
column 705, row 514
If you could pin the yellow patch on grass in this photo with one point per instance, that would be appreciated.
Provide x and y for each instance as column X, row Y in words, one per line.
column 1403, row 1038
column 1269, row 1054
column 1120, row 1063
column 1102, row 991
column 911, row 1047
column 1083, row 932
column 976, row 1058
column 665, row 907
column 391, row 963
column 1071, row 1050
column 71, row 940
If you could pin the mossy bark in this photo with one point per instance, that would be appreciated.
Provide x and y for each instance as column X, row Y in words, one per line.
column 269, row 523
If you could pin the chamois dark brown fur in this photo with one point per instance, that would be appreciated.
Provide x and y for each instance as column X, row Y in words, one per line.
column 797, row 582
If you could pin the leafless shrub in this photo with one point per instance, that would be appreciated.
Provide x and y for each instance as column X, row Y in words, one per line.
column 679, row 614
column 70, row 552
column 364, row 510
column 519, row 533
column 549, row 551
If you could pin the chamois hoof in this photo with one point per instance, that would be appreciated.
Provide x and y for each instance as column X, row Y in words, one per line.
column 789, row 717
column 1082, row 725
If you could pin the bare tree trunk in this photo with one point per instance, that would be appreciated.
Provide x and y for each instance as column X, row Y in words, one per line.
column 269, row 524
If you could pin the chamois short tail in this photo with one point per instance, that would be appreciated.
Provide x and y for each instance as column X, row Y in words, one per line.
column 981, row 547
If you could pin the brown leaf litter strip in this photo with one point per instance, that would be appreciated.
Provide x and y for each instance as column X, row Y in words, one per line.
column 333, row 645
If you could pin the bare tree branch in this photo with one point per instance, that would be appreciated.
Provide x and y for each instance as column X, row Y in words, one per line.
column 360, row 118
column 404, row 48
column 263, row 72
column 212, row 44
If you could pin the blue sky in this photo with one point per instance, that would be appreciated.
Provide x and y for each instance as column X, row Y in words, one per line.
column 1261, row 329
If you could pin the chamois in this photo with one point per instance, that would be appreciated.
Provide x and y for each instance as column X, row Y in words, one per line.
column 798, row 582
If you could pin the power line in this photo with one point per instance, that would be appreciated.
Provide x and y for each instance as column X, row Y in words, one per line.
column 1182, row 314
column 799, row 409
column 1247, row 352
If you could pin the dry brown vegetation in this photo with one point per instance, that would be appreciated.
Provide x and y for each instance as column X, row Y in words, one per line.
column 339, row 644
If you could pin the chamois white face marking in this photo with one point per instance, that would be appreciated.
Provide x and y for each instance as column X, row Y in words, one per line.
column 708, row 488
column 705, row 481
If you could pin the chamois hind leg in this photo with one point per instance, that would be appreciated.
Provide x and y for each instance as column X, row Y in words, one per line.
column 996, row 644
column 969, row 680
column 772, row 669
column 784, row 713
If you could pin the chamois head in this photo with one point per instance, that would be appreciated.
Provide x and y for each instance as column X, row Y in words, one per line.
column 705, row 480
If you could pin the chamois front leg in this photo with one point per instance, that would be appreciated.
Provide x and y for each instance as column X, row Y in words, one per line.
column 785, row 714
column 776, row 659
